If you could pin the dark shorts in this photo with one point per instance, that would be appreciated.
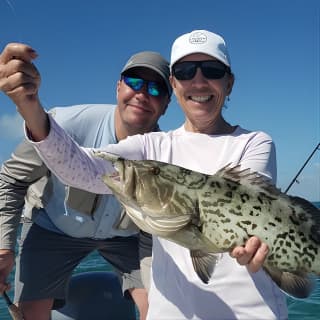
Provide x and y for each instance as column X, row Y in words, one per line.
column 46, row 261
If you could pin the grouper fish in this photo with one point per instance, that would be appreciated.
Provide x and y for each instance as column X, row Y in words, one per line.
column 210, row 214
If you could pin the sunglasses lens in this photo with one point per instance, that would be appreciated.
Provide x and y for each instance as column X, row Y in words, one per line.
column 184, row 70
column 134, row 83
column 153, row 89
column 210, row 69
column 213, row 69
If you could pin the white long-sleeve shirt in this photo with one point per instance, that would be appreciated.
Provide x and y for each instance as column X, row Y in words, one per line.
column 176, row 292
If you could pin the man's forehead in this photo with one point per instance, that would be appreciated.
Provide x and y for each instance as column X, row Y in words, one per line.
column 145, row 73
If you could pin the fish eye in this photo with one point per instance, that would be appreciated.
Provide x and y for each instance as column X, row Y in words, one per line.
column 155, row 170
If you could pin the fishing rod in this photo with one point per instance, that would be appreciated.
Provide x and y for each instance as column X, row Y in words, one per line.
column 14, row 311
column 296, row 176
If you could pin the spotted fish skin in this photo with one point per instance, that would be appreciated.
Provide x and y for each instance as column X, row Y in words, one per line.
column 233, row 209
column 214, row 213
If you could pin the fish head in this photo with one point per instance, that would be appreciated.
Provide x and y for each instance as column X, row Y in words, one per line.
column 147, row 191
column 159, row 189
column 146, row 183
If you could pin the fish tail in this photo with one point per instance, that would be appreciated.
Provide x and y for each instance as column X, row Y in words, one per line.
column 298, row 284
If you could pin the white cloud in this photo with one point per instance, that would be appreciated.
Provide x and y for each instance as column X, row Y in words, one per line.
column 11, row 126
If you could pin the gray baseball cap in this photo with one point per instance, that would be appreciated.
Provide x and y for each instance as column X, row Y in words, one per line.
column 151, row 60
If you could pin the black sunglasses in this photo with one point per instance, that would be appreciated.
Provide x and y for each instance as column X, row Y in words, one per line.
column 154, row 88
column 210, row 69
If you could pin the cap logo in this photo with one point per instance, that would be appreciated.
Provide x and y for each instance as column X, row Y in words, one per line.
column 197, row 38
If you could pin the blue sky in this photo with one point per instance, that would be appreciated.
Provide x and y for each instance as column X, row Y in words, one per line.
column 274, row 48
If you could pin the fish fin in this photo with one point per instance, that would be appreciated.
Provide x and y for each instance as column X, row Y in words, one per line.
column 203, row 264
column 298, row 284
column 313, row 212
column 247, row 176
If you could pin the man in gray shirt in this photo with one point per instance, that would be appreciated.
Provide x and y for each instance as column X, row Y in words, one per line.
column 62, row 225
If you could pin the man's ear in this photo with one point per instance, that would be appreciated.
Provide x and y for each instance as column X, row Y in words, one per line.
column 165, row 109
column 172, row 82
column 118, row 87
column 230, row 84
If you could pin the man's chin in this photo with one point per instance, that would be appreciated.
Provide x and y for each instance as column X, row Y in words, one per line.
column 140, row 123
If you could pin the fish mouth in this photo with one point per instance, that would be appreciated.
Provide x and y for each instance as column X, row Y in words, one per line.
column 115, row 176
column 117, row 162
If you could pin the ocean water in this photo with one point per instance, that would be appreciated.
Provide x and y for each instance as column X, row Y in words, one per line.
column 299, row 309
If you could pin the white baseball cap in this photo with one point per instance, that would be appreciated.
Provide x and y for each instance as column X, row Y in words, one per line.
column 200, row 41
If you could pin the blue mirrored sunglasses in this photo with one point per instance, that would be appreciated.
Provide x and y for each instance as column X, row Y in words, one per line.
column 154, row 88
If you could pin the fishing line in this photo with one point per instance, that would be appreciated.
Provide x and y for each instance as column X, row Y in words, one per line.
column 15, row 18
column 296, row 176
column 11, row 6
column 13, row 309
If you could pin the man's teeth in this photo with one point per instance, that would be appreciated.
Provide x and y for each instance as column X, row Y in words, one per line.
column 201, row 98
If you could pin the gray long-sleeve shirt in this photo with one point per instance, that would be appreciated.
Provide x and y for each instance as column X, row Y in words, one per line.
column 28, row 187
